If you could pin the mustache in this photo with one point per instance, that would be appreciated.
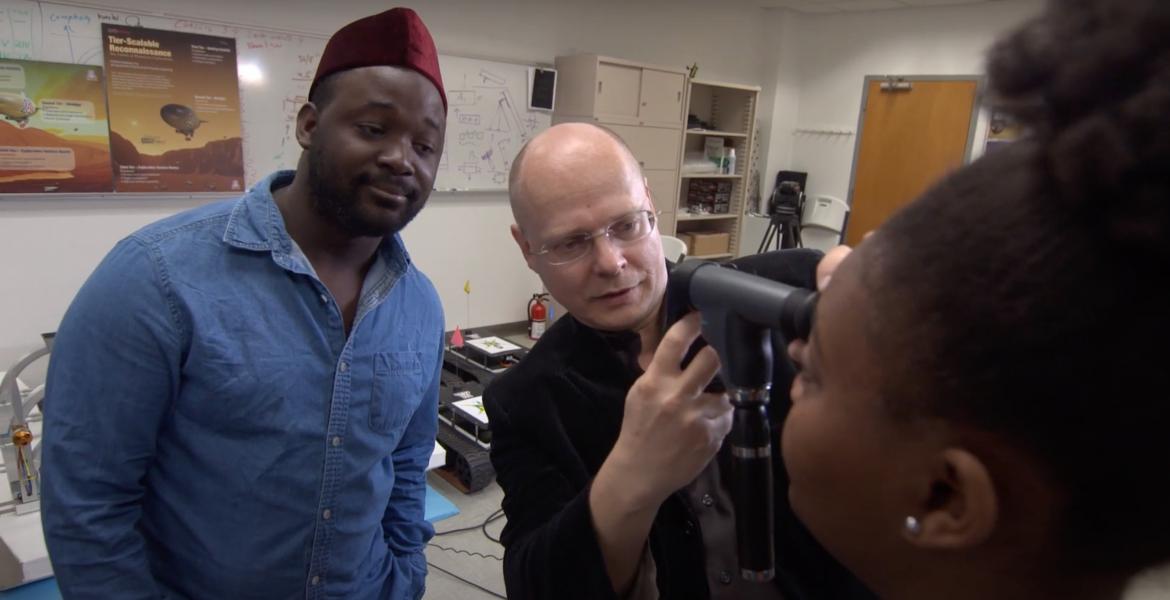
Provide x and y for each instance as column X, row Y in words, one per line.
column 391, row 182
column 615, row 288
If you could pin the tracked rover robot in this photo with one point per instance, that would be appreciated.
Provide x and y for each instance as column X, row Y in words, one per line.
column 464, row 431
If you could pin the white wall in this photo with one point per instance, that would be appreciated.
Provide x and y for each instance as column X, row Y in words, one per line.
column 49, row 246
column 777, row 112
column 810, row 67
column 836, row 51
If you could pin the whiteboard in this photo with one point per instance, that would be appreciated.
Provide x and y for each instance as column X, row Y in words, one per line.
column 487, row 122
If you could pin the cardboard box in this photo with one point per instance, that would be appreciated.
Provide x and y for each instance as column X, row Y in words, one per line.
column 708, row 243
column 688, row 240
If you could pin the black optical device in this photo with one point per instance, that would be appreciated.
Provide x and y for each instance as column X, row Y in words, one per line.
column 738, row 312
column 678, row 305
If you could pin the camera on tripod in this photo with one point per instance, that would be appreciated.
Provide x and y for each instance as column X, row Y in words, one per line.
column 785, row 207
column 787, row 199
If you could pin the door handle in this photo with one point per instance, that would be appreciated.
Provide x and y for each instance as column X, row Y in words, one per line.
column 599, row 87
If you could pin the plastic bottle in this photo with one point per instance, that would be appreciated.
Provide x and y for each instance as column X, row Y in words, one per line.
column 730, row 163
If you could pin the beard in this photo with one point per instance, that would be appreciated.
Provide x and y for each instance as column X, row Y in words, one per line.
column 339, row 201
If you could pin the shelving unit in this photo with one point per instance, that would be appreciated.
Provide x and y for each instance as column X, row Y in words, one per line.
column 713, row 132
column 690, row 217
column 730, row 111
column 640, row 103
column 647, row 106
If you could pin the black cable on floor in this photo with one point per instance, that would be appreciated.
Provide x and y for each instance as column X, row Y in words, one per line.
column 464, row 552
column 471, row 583
column 495, row 516
column 498, row 514
column 492, row 517
column 460, row 530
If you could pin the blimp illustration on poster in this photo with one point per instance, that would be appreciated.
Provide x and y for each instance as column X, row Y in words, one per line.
column 174, row 111
column 54, row 135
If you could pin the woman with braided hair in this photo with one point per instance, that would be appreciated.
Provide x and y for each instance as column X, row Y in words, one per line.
column 983, row 404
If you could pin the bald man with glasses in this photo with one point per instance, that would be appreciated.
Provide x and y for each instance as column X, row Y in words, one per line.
column 609, row 453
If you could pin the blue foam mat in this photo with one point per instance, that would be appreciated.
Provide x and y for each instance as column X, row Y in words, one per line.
column 45, row 589
column 438, row 506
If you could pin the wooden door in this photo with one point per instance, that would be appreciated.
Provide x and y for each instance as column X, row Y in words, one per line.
column 909, row 139
column 661, row 98
column 618, row 88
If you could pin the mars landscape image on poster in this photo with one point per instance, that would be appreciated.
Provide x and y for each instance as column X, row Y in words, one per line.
column 54, row 136
column 174, row 111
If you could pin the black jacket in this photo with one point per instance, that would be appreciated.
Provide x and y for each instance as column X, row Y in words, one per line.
column 555, row 417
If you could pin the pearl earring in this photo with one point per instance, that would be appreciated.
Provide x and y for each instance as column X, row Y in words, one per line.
column 912, row 526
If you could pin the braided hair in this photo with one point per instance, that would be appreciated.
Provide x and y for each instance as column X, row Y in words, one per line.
column 1025, row 293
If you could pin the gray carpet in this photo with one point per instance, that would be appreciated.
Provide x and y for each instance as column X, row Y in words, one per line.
column 488, row 573
column 485, row 571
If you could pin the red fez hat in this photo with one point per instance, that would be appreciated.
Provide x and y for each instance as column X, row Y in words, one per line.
column 396, row 38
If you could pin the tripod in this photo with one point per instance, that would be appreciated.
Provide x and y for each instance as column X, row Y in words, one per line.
column 784, row 207
column 786, row 223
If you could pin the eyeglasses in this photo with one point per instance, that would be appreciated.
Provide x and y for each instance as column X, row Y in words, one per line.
column 624, row 231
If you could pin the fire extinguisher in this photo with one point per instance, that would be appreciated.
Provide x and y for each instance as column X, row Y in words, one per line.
column 537, row 316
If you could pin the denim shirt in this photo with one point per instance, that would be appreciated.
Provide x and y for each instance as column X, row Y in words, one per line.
column 212, row 432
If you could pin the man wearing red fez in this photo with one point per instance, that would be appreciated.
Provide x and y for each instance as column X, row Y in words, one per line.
column 242, row 398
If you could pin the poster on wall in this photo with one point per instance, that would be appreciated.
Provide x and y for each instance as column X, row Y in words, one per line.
column 174, row 111
column 54, row 136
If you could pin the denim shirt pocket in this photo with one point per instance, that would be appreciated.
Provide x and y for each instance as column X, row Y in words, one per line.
column 397, row 389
